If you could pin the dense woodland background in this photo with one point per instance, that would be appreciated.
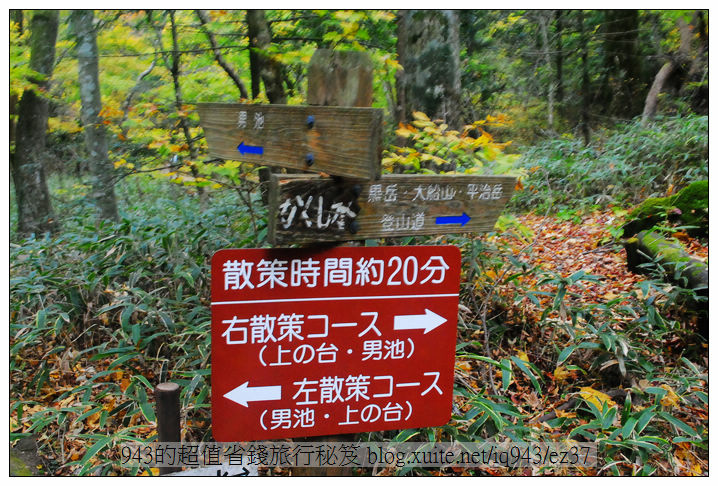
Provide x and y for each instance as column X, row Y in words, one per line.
column 116, row 210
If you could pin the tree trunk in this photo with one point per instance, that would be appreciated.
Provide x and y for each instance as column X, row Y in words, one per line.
column 559, row 60
column 428, row 49
column 585, row 82
column 685, row 71
column 263, row 66
column 103, row 189
column 17, row 17
column 651, row 105
column 620, row 91
column 204, row 20
column 680, row 268
column 35, row 214
column 179, row 102
column 543, row 20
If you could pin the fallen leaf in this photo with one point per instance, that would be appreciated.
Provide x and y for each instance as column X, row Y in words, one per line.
column 670, row 399
column 596, row 397
column 561, row 374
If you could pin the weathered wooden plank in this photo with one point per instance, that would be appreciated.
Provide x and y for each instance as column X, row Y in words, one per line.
column 305, row 209
column 336, row 140
column 340, row 78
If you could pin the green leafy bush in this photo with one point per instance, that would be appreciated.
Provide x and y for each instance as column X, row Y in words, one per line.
column 623, row 166
column 122, row 305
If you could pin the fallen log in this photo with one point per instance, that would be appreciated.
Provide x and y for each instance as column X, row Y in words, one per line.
column 680, row 267
column 683, row 269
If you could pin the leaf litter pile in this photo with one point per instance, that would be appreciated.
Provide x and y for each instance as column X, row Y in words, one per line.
column 558, row 341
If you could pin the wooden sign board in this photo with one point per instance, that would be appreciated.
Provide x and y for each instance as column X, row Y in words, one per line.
column 338, row 141
column 306, row 209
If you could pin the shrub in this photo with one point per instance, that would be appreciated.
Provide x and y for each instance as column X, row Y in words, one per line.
column 622, row 166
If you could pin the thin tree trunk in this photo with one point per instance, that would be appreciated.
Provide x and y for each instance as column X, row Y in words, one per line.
column 651, row 105
column 543, row 21
column 103, row 190
column 179, row 103
column 269, row 70
column 585, row 83
column 35, row 213
column 204, row 20
column 125, row 107
column 559, row 60
column 17, row 17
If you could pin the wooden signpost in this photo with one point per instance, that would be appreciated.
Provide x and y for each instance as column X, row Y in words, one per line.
column 349, row 200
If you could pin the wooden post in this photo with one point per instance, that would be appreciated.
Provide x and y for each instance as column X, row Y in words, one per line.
column 167, row 410
column 337, row 79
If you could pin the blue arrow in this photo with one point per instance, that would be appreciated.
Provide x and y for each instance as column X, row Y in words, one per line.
column 250, row 149
column 462, row 220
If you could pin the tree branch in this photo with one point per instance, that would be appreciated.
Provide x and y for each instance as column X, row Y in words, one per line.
column 218, row 55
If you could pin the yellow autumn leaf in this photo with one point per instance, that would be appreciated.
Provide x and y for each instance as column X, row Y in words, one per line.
column 561, row 374
column 423, row 123
column 418, row 115
column 120, row 163
column 596, row 397
column 523, row 356
column 403, row 132
column 562, row 414
column 463, row 365
column 670, row 399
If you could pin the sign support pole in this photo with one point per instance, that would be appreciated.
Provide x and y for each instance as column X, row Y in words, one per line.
column 326, row 87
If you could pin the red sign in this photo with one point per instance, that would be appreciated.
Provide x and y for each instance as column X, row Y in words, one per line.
column 310, row 342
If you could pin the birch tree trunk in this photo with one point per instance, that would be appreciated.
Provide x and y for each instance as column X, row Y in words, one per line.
column 103, row 186
column 543, row 20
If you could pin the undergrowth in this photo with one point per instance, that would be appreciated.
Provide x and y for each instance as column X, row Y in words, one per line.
column 102, row 313
column 622, row 166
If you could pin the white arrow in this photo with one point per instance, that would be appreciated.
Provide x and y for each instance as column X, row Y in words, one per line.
column 427, row 321
column 244, row 393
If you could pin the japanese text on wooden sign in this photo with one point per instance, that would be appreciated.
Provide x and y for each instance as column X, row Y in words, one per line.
column 304, row 209
column 338, row 141
column 346, row 340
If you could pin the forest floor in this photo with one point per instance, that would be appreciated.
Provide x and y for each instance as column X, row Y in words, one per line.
column 552, row 400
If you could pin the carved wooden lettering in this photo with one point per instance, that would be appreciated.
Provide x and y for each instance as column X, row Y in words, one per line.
column 305, row 209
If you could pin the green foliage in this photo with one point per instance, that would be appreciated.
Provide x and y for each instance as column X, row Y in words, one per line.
column 432, row 148
column 132, row 297
column 688, row 209
column 625, row 166
column 101, row 312
column 614, row 343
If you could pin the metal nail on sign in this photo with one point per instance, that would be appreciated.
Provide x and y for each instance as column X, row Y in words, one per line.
column 335, row 140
